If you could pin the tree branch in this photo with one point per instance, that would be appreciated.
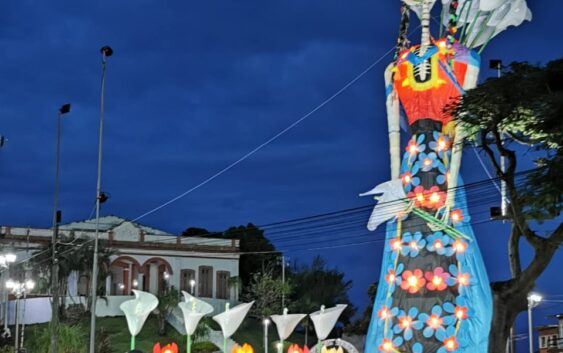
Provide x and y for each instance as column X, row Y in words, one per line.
column 514, row 251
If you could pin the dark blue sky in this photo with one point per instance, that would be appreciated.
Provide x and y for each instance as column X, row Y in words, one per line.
column 192, row 87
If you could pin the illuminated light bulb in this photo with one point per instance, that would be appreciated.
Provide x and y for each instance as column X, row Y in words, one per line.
column 442, row 145
column 434, row 197
column 419, row 197
column 405, row 322
column 460, row 246
column 391, row 278
column 427, row 161
column 396, row 244
column 438, row 244
column 413, row 149
column 463, row 279
column 442, row 44
column 387, row 346
column 448, row 175
column 413, row 244
column 437, row 280
column 407, row 179
column 459, row 313
column 412, row 280
column 450, row 344
column 434, row 322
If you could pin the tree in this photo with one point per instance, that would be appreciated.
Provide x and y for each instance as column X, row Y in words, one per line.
column 266, row 290
column 167, row 300
column 258, row 247
column 524, row 107
column 360, row 326
column 315, row 285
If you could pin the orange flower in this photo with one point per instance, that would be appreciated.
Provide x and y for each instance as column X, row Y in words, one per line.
column 387, row 346
column 295, row 349
column 169, row 348
column 413, row 281
column 456, row 216
column 246, row 348
column 451, row 344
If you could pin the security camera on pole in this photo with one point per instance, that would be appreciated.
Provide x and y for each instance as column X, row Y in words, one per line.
column 106, row 52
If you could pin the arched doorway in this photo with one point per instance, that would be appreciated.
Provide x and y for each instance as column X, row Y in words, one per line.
column 126, row 275
column 157, row 274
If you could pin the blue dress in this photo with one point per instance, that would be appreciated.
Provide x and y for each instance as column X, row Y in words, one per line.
column 433, row 295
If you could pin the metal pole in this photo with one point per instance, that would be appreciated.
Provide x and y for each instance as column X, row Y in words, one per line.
column 106, row 51
column 283, row 282
column 55, row 261
column 17, row 321
column 503, row 203
column 512, row 340
column 266, row 322
column 530, row 333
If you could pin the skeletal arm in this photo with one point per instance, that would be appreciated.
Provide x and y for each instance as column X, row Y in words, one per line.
column 457, row 147
column 393, row 117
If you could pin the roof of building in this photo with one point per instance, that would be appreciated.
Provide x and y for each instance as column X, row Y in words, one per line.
column 107, row 223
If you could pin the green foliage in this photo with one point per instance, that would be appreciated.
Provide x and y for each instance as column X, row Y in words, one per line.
column 317, row 285
column 72, row 339
column 204, row 347
column 103, row 341
column 267, row 293
column 524, row 106
column 360, row 326
column 201, row 331
column 7, row 349
column 167, row 300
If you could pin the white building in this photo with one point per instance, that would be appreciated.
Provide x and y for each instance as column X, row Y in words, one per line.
column 146, row 259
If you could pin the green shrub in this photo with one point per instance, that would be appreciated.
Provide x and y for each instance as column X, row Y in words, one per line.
column 204, row 347
column 72, row 339
column 7, row 349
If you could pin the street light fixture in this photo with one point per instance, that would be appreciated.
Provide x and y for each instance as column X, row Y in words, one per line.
column 18, row 289
column 534, row 300
column 7, row 257
column 192, row 286
column 266, row 322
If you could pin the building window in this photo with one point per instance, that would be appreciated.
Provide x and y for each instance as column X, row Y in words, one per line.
column 205, row 281
column 542, row 341
column 186, row 276
column 222, row 291
column 553, row 341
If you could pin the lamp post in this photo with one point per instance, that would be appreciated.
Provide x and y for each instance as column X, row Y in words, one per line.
column 64, row 109
column 6, row 258
column 266, row 322
column 19, row 289
column 192, row 286
column 106, row 52
column 534, row 300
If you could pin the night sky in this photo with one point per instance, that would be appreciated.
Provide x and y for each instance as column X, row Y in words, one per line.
column 194, row 86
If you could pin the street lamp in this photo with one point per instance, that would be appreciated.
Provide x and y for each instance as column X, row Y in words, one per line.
column 106, row 52
column 64, row 109
column 534, row 300
column 192, row 286
column 266, row 322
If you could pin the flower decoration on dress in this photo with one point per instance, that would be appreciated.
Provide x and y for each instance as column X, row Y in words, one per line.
column 393, row 276
column 441, row 143
column 412, row 244
column 396, row 244
column 456, row 216
column 435, row 198
column 460, row 247
column 407, row 323
column 443, row 176
column 409, row 180
column 457, row 277
column 386, row 313
column 435, row 322
column 390, row 346
column 415, row 146
column 439, row 243
column 426, row 162
column 413, row 281
column 418, row 195
column 437, row 279
column 450, row 342
column 245, row 348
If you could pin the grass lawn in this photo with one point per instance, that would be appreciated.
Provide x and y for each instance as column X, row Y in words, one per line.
column 251, row 332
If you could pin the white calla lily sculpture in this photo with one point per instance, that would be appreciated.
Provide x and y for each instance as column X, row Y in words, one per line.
column 286, row 323
column 325, row 319
column 137, row 311
column 230, row 320
column 193, row 310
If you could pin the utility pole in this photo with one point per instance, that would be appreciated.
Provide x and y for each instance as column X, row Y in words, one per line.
column 106, row 52
column 56, row 220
